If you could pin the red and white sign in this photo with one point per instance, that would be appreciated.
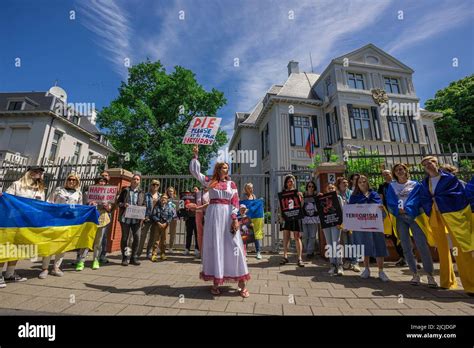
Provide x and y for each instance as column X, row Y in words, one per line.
column 363, row 217
column 102, row 193
column 202, row 131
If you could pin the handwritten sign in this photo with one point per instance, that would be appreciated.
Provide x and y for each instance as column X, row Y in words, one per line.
column 202, row 130
column 102, row 193
column 329, row 208
column 135, row 212
column 363, row 217
column 290, row 205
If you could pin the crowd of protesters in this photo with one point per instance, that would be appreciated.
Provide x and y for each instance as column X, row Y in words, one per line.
column 415, row 217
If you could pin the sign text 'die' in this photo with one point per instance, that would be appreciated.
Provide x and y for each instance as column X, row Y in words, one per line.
column 202, row 130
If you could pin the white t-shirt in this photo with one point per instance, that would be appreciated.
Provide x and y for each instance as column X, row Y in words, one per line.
column 403, row 190
column 434, row 182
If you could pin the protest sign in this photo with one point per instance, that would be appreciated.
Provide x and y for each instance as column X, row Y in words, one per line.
column 135, row 212
column 290, row 205
column 329, row 208
column 202, row 131
column 102, row 193
column 363, row 217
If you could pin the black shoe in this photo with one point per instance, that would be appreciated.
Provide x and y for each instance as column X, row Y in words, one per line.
column 470, row 294
column 135, row 262
column 418, row 266
column 401, row 262
column 15, row 278
column 310, row 256
column 124, row 262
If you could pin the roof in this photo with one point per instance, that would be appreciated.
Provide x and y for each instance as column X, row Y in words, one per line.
column 299, row 86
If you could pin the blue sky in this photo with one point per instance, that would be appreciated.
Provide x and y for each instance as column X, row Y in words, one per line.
column 86, row 55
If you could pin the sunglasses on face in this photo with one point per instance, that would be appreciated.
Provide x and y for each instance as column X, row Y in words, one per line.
column 155, row 184
column 73, row 180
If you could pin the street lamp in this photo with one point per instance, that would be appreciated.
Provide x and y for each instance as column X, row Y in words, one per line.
column 327, row 152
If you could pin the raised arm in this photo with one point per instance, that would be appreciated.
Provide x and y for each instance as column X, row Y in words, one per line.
column 195, row 168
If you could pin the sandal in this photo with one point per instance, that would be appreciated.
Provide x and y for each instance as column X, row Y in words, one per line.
column 215, row 291
column 284, row 261
column 244, row 293
column 300, row 263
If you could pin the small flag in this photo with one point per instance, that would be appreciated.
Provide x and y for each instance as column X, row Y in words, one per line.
column 311, row 143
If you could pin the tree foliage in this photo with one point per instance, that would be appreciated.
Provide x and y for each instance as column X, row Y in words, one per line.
column 151, row 114
column 456, row 102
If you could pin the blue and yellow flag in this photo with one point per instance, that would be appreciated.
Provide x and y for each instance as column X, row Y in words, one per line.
column 255, row 212
column 30, row 228
column 412, row 207
column 450, row 199
column 470, row 198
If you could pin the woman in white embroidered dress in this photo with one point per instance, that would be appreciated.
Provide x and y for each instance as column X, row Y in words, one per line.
column 223, row 256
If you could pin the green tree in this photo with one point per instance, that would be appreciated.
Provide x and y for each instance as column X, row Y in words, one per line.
column 456, row 102
column 151, row 114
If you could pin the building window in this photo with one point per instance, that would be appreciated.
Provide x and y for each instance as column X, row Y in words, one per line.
column 15, row 105
column 77, row 153
column 361, row 123
column 54, row 146
column 414, row 129
column 355, row 81
column 299, row 130
column 265, row 142
column 329, row 128
column 336, row 126
column 376, row 122
column 75, row 119
column 328, row 84
column 392, row 85
column 18, row 139
column 398, row 128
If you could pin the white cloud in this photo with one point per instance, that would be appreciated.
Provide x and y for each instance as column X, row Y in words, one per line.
column 436, row 20
column 111, row 24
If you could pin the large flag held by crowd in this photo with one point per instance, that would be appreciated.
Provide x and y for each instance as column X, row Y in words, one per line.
column 49, row 228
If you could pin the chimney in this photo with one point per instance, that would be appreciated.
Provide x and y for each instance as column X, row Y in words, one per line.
column 293, row 67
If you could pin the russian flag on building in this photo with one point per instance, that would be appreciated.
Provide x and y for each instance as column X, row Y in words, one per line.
column 311, row 143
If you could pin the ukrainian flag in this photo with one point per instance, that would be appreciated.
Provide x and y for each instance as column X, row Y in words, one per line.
column 470, row 198
column 255, row 213
column 48, row 229
column 450, row 198
column 412, row 208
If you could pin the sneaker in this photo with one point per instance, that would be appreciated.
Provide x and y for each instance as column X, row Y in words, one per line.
column 2, row 282
column 432, row 282
column 309, row 256
column 355, row 267
column 80, row 266
column 15, row 278
column 43, row 274
column 196, row 253
column 401, row 262
column 259, row 256
column 186, row 252
column 57, row 272
column 148, row 256
column 347, row 265
column 154, row 258
column 103, row 261
column 135, row 262
column 340, row 271
column 124, row 262
column 95, row 264
column 383, row 277
column 418, row 266
column 415, row 280
column 365, row 273
column 163, row 256
column 332, row 270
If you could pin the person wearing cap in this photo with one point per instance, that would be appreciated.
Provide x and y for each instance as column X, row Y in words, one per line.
column 443, row 199
column 104, row 219
column 152, row 197
column 70, row 193
column 31, row 185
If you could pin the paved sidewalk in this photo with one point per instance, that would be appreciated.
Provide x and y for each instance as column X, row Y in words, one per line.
column 172, row 287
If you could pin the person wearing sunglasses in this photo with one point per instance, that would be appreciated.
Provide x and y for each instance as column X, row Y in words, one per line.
column 152, row 197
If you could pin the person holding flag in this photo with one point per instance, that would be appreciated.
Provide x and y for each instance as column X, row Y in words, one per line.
column 402, row 197
column 444, row 201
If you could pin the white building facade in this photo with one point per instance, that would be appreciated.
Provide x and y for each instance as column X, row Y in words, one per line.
column 343, row 106
column 42, row 128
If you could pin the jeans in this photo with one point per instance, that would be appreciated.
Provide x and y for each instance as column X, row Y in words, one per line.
column 146, row 230
column 97, row 245
column 257, row 245
column 190, row 230
column 103, row 248
column 404, row 224
column 333, row 235
column 348, row 239
column 134, row 231
column 309, row 237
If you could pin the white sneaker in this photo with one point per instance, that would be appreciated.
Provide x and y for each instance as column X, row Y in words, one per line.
column 43, row 274
column 259, row 256
column 332, row 270
column 2, row 282
column 365, row 274
column 340, row 271
column 196, row 253
column 383, row 277
column 186, row 252
column 415, row 280
column 432, row 282
column 355, row 267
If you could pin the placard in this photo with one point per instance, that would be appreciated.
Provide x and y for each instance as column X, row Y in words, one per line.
column 329, row 208
column 135, row 212
column 363, row 217
column 290, row 205
column 102, row 193
column 202, row 130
